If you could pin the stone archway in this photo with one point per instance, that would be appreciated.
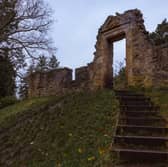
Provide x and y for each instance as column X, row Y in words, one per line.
column 138, row 51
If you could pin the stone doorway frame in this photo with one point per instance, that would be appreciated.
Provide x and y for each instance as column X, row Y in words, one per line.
column 103, row 61
column 139, row 51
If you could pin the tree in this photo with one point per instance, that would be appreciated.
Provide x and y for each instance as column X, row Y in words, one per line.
column 119, row 79
column 42, row 64
column 53, row 62
column 24, row 29
column 7, row 76
column 160, row 36
column 23, row 88
column 7, row 15
column 24, row 26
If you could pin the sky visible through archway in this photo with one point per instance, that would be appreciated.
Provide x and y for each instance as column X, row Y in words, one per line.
column 77, row 22
column 119, row 55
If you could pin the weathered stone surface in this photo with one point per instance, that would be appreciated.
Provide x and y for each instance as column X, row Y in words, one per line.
column 146, row 64
column 139, row 50
column 49, row 83
column 82, row 76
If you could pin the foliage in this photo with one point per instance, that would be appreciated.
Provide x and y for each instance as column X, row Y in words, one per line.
column 160, row 36
column 43, row 64
column 7, row 76
column 120, row 80
column 24, row 29
column 53, row 62
column 159, row 97
column 7, row 101
column 23, row 89
column 74, row 130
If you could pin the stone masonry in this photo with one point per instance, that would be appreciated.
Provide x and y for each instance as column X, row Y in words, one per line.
column 146, row 64
column 49, row 83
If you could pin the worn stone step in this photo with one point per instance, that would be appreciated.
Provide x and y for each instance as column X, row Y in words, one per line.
column 141, row 140
column 143, row 121
column 138, row 108
column 141, row 156
column 141, row 135
column 133, row 98
column 129, row 94
column 142, row 130
column 140, row 113
column 142, row 165
column 136, row 102
column 141, row 147
column 125, row 92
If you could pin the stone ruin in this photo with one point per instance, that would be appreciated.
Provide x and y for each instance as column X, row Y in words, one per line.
column 146, row 64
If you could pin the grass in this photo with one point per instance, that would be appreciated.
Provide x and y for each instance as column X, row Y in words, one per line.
column 24, row 105
column 159, row 97
column 70, row 131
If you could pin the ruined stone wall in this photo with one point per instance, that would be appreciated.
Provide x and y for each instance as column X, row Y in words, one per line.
column 49, row 83
column 141, row 53
column 146, row 64
column 139, row 50
column 82, row 77
column 161, row 66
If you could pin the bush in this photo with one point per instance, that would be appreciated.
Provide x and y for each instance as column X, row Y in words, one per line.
column 6, row 101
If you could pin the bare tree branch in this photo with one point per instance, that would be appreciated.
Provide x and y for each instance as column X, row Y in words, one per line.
column 24, row 27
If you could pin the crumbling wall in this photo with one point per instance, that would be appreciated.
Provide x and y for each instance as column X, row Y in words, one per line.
column 49, row 83
column 82, row 76
column 146, row 64
column 139, row 50
column 161, row 66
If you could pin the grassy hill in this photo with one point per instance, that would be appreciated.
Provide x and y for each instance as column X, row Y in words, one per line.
column 74, row 130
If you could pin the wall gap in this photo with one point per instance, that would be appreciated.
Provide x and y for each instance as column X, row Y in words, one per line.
column 119, row 64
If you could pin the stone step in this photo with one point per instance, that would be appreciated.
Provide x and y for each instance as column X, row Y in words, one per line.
column 136, row 102
column 141, row 134
column 129, row 93
column 138, row 108
column 140, row 113
column 143, row 121
column 142, row 165
column 141, row 140
column 142, row 130
column 141, row 156
column 141, row 147
column 133, row 98
column 125, row 98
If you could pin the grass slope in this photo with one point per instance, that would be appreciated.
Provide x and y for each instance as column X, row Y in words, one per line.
column 160, row 98
column 70, row 131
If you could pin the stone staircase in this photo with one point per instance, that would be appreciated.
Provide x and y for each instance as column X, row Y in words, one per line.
column 141, row 138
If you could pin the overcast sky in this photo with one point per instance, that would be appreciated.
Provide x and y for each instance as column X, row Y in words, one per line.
column 77, row 22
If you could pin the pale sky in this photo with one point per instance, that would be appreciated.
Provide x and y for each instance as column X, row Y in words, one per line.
column 77, row 22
